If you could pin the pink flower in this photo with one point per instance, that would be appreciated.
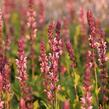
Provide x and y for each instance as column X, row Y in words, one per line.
column 1, row 53
column 21, row 62
column 50, row 34
column 83, row 26
column 41, row 16
column 43, row 58
column 22, row 104
column 1, row 30
column 66, row 104
column 101, row 49
column 31, row 27
column 70, row 9
column 7, row 8
column 92, row 28
column 66, row 35
column 50, row 64
column 63, row 69
column 97, row 42
column 86, row 100
column 71, row 52
column 1, row 82
column 1, row 104
column 6, row 77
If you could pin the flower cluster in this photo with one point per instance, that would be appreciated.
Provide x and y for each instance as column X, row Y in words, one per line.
column 1, row 61
column 86, row 100
column 50, row 64
column 54, row 57
column 22, row 104
column 1, row 87
column 98, row 43
column 44, row 63
column 6, row 77
column 6, row 9
column 66, row 35
column 43, row 58
column 65, row 30
column 50, row 34
column 1, row 27
column 31, row 20
column 4, row 67
column 1, row 104
column 71, row 52
column 83, row 27
column 41, row 12
column 82, row 21
column 56, row 49
column 70, row 9
column 66, row 104
column 21, row 63
column 31, row 24
column 92, row 28
column 6, row 14
column 55, row 42
column 101, row 49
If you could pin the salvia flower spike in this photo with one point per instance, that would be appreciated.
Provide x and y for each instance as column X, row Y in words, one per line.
column 86, row 100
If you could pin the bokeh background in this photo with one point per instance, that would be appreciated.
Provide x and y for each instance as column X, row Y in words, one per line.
column 57, row 8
